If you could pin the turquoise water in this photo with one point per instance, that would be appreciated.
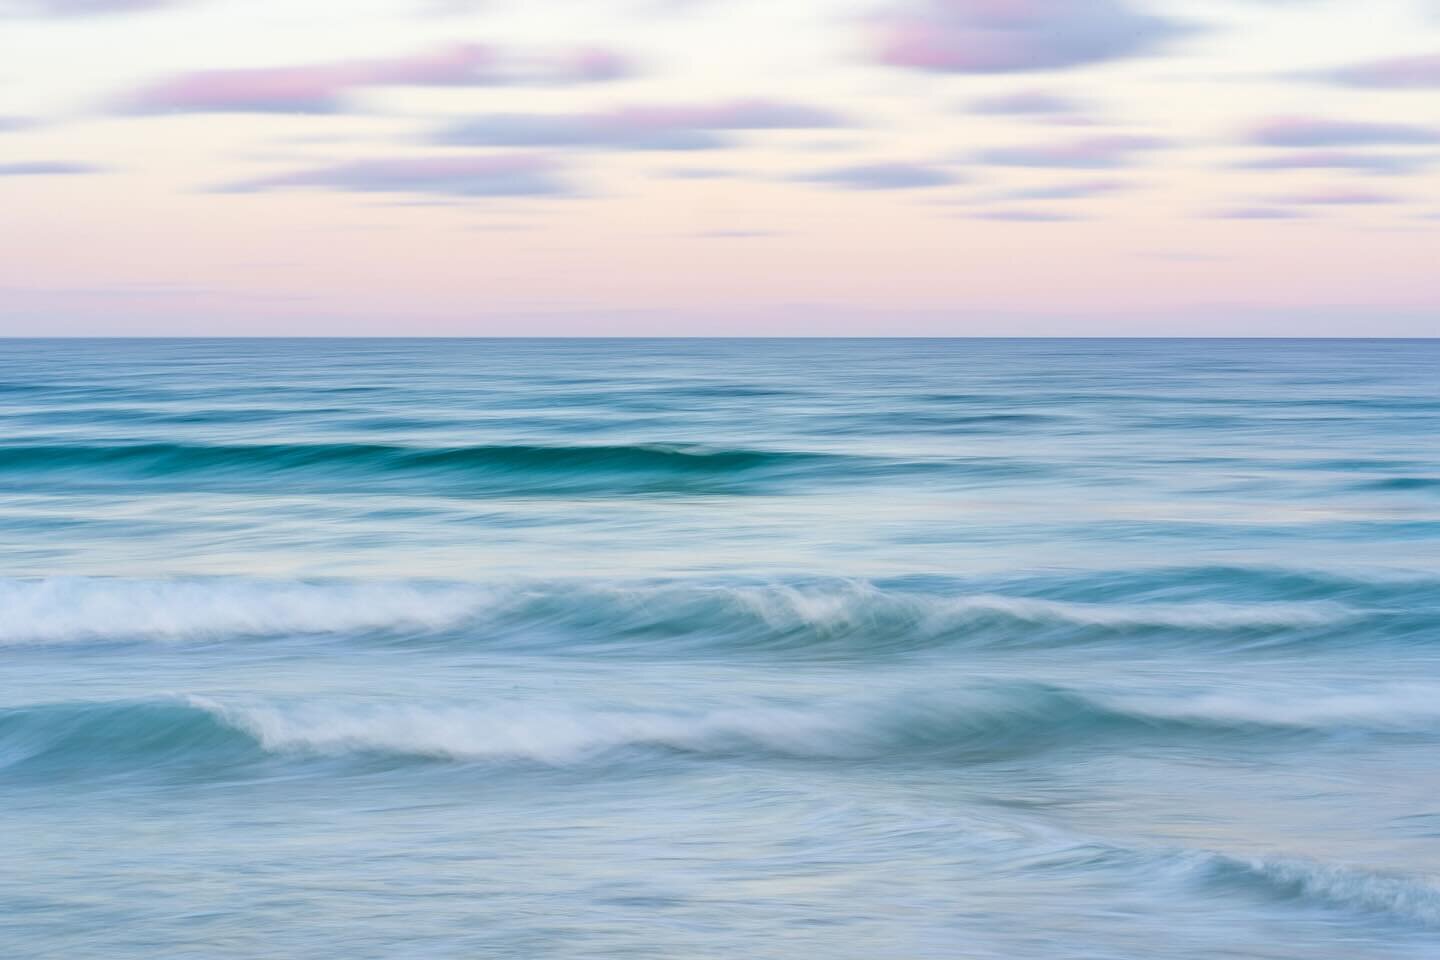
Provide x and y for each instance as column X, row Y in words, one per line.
column 1113, row 650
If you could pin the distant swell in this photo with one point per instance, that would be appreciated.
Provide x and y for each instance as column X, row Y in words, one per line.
column 856, row 616
column 523, row 467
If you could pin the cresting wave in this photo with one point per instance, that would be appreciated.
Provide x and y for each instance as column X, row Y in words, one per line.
column 1290, row 880
column 859, row 615
column 972, row 724
column 1352, row 889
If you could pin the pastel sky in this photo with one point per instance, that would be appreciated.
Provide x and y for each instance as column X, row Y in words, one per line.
column 716, row 167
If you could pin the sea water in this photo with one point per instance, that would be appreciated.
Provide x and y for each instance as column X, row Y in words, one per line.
column 911, row 649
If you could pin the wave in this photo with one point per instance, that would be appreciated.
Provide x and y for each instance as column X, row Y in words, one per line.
column 846, row 616
column 973, row 723
column 1304, row 881
column 1292, row 881
column 1401, row 484
column 80, row 739
column 193, row 738
column 521, row 467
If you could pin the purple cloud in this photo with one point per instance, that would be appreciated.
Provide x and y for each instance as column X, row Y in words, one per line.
column 1027, row 103
column 80, row 8
column 678, row 127
column 1001, row 36
column 1088, row 153
column 1319, row 132
column 488, row 176
column 1259, row 213
column 1067, row 191
column 1337, row 197
column 1337, row 160
column 17, row 123
column 1395, row 73
column 698, row 173
column 324, row 87
column 1026, row 216
column 585, row 65
column 46, row 168
column 882, row 176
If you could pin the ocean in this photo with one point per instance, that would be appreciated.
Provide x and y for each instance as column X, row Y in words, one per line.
column 690, row 649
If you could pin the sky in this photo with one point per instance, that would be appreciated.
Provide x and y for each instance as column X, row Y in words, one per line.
column 720, row 167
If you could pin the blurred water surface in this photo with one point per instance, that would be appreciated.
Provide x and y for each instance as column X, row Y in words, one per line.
column 849, row 649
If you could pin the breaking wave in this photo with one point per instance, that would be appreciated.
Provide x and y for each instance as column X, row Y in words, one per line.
column 971, row 723
column 857, row 615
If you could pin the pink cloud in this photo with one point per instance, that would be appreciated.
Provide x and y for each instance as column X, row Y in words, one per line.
column 323, row 88
column 999, row 36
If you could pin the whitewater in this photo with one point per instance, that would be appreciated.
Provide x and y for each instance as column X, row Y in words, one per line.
column 881, row 649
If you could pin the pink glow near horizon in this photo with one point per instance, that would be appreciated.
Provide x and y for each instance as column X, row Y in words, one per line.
column 942, row 166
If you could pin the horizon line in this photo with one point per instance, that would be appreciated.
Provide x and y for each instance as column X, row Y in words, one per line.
column 687, row 337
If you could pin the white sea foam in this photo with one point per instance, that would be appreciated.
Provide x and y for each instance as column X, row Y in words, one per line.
column 977, row 720
column 81, row 610
column 1413, row 898
column 855, row 602
column 1336, row 886
column 1385, row 708
column 554, row 734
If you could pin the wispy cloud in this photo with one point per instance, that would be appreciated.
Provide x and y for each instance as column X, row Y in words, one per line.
column 1379, row 163
column 673, row 127
column 999, row 36
column 1027, row 103
column 1322, row 132
column 76, row 8
column 48, row 168
column 882, row 176
column 1258, row 213
column 488, row 176
column 1026, row 216
column 1336, row 197
column 325, row 87
column 1087, row 153
column 698, row 173
column 1392, row 73
column 1067, row 191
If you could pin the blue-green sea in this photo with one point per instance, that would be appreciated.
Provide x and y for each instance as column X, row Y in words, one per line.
column 719, row 649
